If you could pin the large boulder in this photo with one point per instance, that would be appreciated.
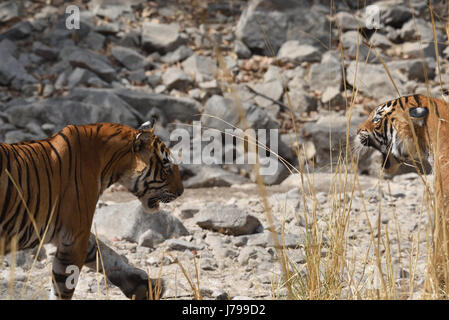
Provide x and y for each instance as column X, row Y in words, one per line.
column 128, row 221
column 93, row 62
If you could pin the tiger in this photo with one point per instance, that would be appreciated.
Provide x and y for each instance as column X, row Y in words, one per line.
column 49, row 190
column 411, row 129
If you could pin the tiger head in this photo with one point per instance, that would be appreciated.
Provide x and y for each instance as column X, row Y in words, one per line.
column 155, row 177
column 389, row 129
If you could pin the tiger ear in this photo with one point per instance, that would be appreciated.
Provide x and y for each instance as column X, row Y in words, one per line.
column 144, row 136
column 418, row 114
column 149, row 125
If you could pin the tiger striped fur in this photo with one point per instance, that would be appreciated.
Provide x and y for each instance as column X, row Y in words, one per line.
column 55, row 184
column 409, row 129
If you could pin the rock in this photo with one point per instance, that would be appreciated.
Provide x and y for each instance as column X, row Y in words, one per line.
column 380, row 41
column 279, row 21
column 9, row 10
column 95, row 41
column 8, row 47
column 208, row 264
column 347, row 21
column 417, row 49
column 161, row 37
column 200, row 68
column 372, row 80
column 326, row 74
column 129, row 58
column 241, row 50
column 301, row 101
column 18, row 31
column 145, row 102
column 220, row 108
column 93, row 62
column 408, row 31
column 394, row 14
column 272, row 89
column 213, row 177
column 180, row 54
column 80, row 75
column 333, row 97
column 295, row 52
column 109, row 9
column 174, row 78
column 137, row 76
column 413, row 68
column 265, row 240
column 45, row 51
column 13, row 73
column 128, row 221
column 62, row 112
column 335, row 126
column 227, row 219
column 181, row 245
column 107, row 28
column 353, row 45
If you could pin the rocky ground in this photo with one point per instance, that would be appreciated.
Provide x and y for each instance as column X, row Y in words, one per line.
column 235, row 255
column 184, row 61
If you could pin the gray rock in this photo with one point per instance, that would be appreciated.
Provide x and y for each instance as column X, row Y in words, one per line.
column 417, row 49
column 18, row 31
column 301, row 101
column 347, row 21
column 241, row 50
column 213, row 177
column 200, row 68
column 265, row 240
column 221, row 108
column 413, row 68
column 109, row 9
column 320, row 131
column 95, row 41
column 93, row 62
column 380, row 40
column 12, row 72
column 107, row 28
column 61, row 112
column 333, row 97
column 279, row 21
column 181, row 245
column 137, row 76
column 154, row 79
column 180, row 54
column 227, row 219
column 161, row 37
column 45, row 51
column 209, row 264
column 8, row 47
column 8, row 10
column 408, row 31
column 394, row 14
column 175, row 78
column 326, row 74
column 128, row 221
column 129, row 58
column 144, row 102
column 295, row 52
column 372, row 80
column 80, row 75
column 272, row 89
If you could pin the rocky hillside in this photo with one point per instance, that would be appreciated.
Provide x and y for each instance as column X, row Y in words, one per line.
column 299, row 66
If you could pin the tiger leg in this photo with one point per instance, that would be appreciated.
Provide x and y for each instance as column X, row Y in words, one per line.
column 69, row 259
column 133, row 282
